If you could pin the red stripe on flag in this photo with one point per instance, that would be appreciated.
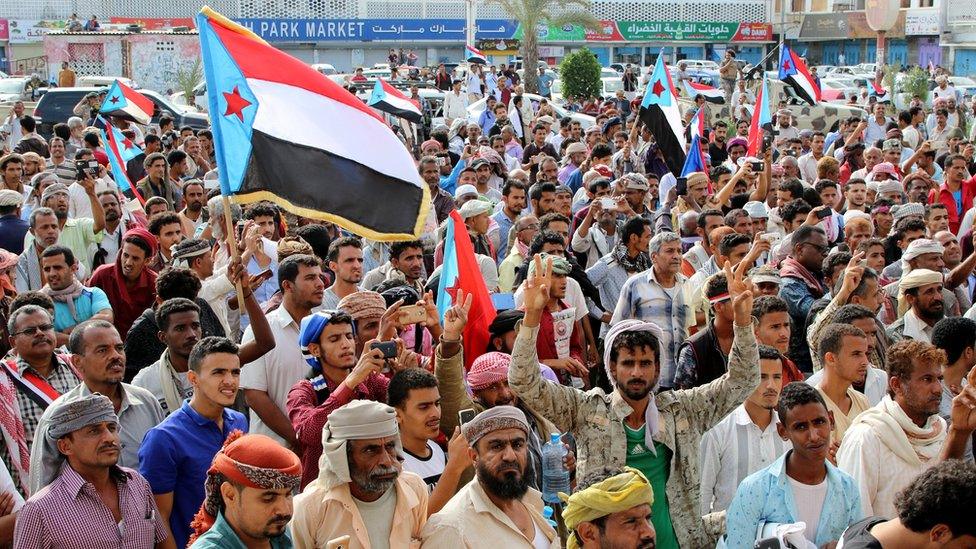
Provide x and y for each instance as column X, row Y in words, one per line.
column 755, row 130
column 141, row 101
column 469, row 279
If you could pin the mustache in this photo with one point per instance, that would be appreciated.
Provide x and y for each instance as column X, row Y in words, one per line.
column 110, row 446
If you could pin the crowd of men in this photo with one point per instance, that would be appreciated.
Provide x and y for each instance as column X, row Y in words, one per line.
column 778, row 348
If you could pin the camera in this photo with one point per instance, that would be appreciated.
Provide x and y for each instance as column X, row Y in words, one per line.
column 168, row 139
column 86, row 168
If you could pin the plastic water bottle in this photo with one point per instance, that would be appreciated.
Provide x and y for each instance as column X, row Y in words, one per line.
column 547, row 513
column 555, row 475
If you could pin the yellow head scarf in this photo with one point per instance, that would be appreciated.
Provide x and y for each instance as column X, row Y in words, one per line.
column 617, row 493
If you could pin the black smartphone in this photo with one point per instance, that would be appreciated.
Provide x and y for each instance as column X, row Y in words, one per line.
column 824, row 213
column 466, row 415
column 681, row 187
column 389, row 348
column 758, row 166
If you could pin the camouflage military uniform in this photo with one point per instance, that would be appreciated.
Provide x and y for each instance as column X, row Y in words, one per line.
column 596, row 419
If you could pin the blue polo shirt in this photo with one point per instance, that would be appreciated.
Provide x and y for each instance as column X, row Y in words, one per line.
column 175, row 455
column 91, row 301
column 12, row 232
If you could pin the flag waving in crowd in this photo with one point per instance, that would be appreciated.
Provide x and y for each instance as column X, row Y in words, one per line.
column 120, row 150
column 712, row 95
column 660, row 114
column 879, row 92
column 332, row 167
column 390, row 100
column 474, row 55
column 793, row 71
column 127, row 103
column 460, row 274
column 760, row 117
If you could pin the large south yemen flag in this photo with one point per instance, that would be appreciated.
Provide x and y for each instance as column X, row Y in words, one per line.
column 286, row 133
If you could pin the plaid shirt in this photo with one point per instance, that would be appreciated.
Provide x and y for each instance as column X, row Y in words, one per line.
column 643, row 298
column 62, row 379
column 609, row 278
column 70, row 513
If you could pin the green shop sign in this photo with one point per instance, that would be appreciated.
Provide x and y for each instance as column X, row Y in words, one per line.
column 676, row 31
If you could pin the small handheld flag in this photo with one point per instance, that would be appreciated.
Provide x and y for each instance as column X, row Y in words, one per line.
column 120, row 150
column 695, row 161
column 333, row 166
column 475, row 56
column 879, row 92
column 712, row 95
column 761, row 116
column 660, row 114
column 460, row 271
column 390, row 100
column 125, row 102
column 793, row 71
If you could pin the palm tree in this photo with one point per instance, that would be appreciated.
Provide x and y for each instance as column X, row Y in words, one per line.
column 530, row 13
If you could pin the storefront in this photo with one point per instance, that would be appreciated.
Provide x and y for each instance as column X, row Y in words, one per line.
column 363, row 42
column 922, row 30
column 4, row 38
column 846, row 39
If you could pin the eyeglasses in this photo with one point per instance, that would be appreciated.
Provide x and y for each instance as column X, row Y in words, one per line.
column 34, row 329
column 533, row 226
column 819, row 247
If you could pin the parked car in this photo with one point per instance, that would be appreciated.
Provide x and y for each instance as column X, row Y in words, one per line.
column 14, row 89
column 325, row 68
column 57, row 104
column 966, row 85
column 610, row 87
column 475, row 109
column 199, row 97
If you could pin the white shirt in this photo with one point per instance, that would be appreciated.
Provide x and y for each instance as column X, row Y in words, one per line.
column 808, row 167
column 750, row 98
column 276, row 372
column 595, row 244
column 809, row 503
column 79, row 205
column 429, row 468
column 875, row 385
column 732, row 450
column 455, row 106
column 880, row 473
column 916, row 328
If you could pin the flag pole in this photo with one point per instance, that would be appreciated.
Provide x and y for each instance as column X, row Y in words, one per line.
column 235, row 252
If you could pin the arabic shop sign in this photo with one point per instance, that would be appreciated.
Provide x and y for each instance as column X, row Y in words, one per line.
column 327, row 30
column 26, row 31
column 607, row 32
column 678, row 31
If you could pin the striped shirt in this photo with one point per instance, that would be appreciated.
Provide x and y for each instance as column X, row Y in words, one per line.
column 609, row 278
column 70, row 513
column 643, row 298
column 732, row 450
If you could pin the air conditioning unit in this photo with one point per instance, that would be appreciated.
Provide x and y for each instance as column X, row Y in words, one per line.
column 181, row 29
column 134, row 28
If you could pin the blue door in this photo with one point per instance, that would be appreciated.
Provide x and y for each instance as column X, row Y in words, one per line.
column 852, row 52
column 693, row 52
column 830, row 51
column 602, row 55
column 897, row 52
column 751, row 55
column 871, row 55
column 965, row 63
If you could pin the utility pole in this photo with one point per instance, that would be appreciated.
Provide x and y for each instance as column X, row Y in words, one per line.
column 470, row 19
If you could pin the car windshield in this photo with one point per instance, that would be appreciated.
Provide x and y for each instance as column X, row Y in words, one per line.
column 611, row 85
column 962, row 81
column 12, row 85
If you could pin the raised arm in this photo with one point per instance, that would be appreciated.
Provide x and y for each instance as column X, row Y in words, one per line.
column 557, row 402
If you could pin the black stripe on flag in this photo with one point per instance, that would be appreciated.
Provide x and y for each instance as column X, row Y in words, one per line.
column 412, row 116
column 670, row 144
column 316, row 179
column 801, row 92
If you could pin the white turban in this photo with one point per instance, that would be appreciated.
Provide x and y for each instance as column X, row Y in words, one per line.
column 358, row 420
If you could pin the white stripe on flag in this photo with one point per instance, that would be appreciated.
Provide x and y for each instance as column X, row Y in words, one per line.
column 299, row 116
column 401, row 104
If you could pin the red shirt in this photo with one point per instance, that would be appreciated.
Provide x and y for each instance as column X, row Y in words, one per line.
column 308, row 417
column 127, row 303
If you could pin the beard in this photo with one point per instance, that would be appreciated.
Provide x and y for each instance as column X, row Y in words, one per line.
column 368, row 481
column 636, row 389
column 510, row 486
